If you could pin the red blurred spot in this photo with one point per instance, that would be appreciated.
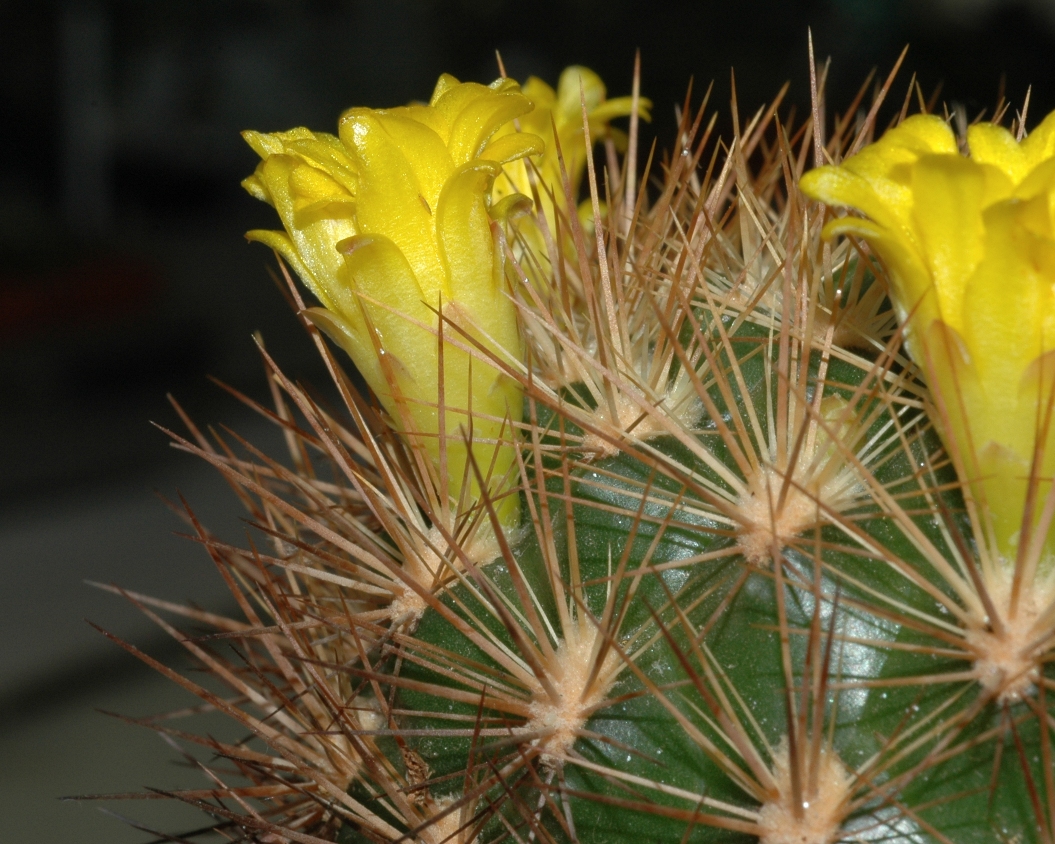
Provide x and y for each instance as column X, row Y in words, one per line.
column 87, row 294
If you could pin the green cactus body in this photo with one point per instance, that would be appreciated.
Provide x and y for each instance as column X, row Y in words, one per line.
column 656, row 766
column 748, row 598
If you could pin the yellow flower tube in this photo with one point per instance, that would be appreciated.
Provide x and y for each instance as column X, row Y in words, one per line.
column 969, row 244
column 391, row 224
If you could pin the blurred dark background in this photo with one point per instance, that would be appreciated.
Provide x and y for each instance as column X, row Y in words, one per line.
column 124, row 274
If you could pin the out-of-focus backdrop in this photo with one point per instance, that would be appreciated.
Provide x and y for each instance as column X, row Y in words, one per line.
column 124, row 275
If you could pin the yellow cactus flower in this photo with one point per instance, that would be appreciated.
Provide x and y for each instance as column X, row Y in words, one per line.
column 389, row 225
column 969, row 244
column 557, row 117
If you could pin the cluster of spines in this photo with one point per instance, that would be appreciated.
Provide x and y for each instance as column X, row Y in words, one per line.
column 725, row 447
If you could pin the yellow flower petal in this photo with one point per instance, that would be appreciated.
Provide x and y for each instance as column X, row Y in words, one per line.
column 557, row 118
column 425, row 157
column 619, row 107
column 509, row 148
column 475, row 123
column 391, row 199
column 890, row 205
column 389, row 224
column 464, row 229
column 947, row 193
column 921, row 134
column 969, row 244
column 991, row 144
column 575, row 84
column 318, row 149
column 1018, row 268
column 479, row 302
column 312, row 235
column 1039, row 145
column 281, row 243
column 384, row 296
column 355, row 342
column 1012, row 283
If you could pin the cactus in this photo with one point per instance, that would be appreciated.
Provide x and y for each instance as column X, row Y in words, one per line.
column 732, row 572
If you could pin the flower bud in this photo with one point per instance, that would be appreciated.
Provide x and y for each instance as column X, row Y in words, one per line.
column 390, row 225
column 969, row 244
column 557, row 117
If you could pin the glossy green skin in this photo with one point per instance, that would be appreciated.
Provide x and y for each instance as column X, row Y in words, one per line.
column 954, row 796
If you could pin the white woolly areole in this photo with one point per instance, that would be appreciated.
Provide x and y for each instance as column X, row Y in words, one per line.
column 1009, row 653
column 426, row 569
column 560, row 718
column 820, row 818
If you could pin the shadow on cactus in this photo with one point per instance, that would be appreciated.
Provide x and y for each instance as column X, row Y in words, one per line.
column 695, row 511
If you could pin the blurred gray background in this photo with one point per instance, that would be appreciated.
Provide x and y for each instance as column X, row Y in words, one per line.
column 124, row 275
